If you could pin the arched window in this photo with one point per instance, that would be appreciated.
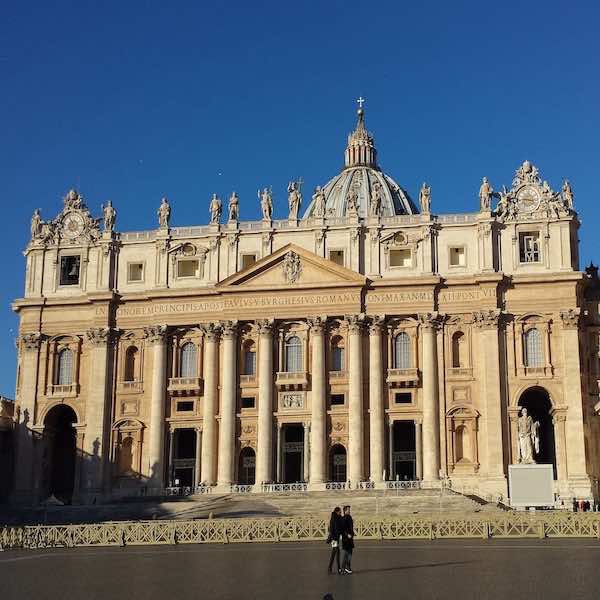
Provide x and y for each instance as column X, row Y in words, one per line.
column 534, row 354
column 249, row 358
column 189, row 360
column 458, row 350
column 293, row 354
column 131, row 360
column 338, row 354
column 402, row 351
column 64, row 371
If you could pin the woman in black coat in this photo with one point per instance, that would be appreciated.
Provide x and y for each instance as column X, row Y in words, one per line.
column 334, row 537
column 347, row 540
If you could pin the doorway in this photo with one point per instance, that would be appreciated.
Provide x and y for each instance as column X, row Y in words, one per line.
column 293, row 451
column 404, row 453
column 337, row 463
column 247, row 467
column 184, row 458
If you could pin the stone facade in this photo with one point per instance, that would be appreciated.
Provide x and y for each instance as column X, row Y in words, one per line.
column 366, row 341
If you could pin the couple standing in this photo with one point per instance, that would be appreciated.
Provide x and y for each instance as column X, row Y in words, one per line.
column 341, row 533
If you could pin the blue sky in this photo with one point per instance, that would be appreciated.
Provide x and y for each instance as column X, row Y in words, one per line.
column 135, row 100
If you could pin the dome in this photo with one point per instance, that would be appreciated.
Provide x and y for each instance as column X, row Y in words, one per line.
column 360, row 181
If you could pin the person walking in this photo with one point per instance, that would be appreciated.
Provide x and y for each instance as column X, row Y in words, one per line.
column 334, row 537
column 347, row 540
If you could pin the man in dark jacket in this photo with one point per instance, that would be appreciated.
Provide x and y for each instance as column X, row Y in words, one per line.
column 334, row 538
column 347, row 540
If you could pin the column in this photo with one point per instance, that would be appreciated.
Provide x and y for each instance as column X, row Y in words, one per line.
column 390, row 450
column 431, row 444
column 318, row 429
column 419, row 449
column 156, row 335
column 306, row 452
column 227, row 440
column 29, row 373
column 198, row 463
column 264, row 456
column 96, row 410
column 559, row 419
column 209, row 424
column 487, row 323
column 513, row 417
column 575, row 448
column 171, row 470
column 376, row 442
column 355, row 408
column 279, row 453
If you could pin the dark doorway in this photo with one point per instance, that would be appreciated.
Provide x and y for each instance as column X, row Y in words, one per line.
column 247, row 467
column 537, row 402
column 184, row 458
column 61, row 448
column 293, row 449
column 404, row 451
column 337, row 463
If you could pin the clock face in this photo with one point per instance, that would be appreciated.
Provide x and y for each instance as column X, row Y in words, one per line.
column 73, row 225
column 528, row 199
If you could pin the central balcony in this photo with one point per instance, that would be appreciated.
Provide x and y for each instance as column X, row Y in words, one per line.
column 182, row 386
column 403, row 377
column 292, row 380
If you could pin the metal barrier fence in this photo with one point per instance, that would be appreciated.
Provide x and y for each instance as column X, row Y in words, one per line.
column 296, row 529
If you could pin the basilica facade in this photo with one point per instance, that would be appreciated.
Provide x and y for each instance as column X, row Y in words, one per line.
column 366, row 341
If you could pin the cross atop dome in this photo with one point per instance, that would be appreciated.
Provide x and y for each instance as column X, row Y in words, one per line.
column 360, row 102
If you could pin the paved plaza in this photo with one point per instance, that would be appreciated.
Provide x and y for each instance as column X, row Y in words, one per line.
column 442, row 569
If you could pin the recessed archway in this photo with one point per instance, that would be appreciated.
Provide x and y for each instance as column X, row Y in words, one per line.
column 61, row 446
column 247, row 466
column 539, row 407
column 337, row 463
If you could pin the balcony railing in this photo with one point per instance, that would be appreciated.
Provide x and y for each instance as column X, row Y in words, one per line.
column 403, row 485
column 460, row 373
column 185, row 384
column 187, row 490
column 69, row 389
column 403, row 376
column 130, row 387
column 337, row 485
column 241, row 489
column 338, row 376
column 292, row 378
column 282, row 488
column 248, row 380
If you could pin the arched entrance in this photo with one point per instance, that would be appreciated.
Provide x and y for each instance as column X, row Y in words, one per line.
column 247, row 466
column 337, row 463
column 61, row 448
column 539, row 407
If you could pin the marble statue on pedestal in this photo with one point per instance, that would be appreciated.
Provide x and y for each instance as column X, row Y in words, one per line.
column 294, row 198
column 266, row 204
column 529, row 438
column 110, row 216
column 319, row 202
column 375, row 204
column 36, row 224
column 215, row 208
column 485, row 195
column 234, row 207
column 164, row 213
column 425, row 199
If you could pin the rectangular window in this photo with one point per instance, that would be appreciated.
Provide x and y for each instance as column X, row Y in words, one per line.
column 400, row 258
column 529, row 247
column 185, row 406
column 69, row 270
column 403, row 398
column 337, row 399
column 135, row 272
column 458, row 257
column 248, row 402
column 248, row 260
column 187, row 268
column 337, row 256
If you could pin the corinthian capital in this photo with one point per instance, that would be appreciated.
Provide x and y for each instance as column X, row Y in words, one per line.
column 430, row 320
column 155, row 334
column 212, row 331
column 570, row 318
column 265, row 326
column 355, row 322
column 487, row 319
column 317, row 324
column 375, row 324
column 98, row 336
column 229, row 329
column 31, row 341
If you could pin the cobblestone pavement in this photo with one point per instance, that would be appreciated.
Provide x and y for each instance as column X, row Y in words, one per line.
column 470, row 569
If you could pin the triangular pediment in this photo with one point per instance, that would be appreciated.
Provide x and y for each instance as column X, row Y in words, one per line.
column 292, row 266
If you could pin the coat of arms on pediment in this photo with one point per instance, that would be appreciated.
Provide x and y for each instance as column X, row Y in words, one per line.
column 292, row 267
column 530, row 196
column 73, row 224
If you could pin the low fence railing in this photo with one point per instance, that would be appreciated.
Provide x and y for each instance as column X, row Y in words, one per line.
column 283, row 488
column 296, row 529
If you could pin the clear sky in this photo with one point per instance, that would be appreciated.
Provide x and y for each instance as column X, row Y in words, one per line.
column 134, row 100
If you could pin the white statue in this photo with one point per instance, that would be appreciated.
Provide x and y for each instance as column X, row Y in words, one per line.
column 266, row 204
column 294, row 199
column 234, row 207
column 425, row 199
column 375, row 204
column 485, row 195
column 567, row 194
column 36, row 224
column 72, row 199
column 529, row 439
column 215, row 208
column 164, row 213
column 352, row 203
column 319, row 202
column 110, row 216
